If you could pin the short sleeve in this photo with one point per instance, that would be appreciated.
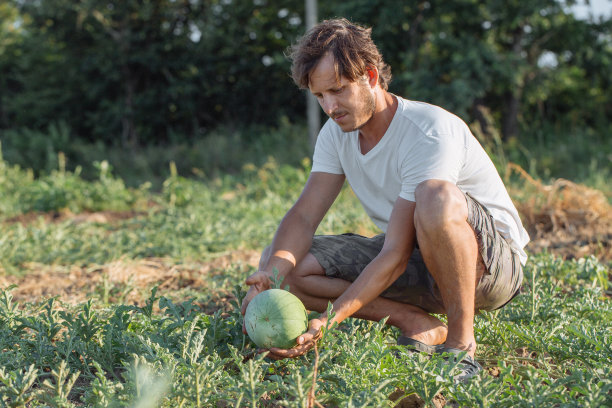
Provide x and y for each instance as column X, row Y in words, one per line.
column 326, row 157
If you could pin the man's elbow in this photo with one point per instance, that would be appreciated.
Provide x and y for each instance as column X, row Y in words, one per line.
column 400, row 268
column 398, row 264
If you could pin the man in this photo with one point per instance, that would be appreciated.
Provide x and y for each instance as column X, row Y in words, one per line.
column 453, row 241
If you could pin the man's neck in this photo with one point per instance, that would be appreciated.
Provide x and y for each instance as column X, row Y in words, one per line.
column 371, row 133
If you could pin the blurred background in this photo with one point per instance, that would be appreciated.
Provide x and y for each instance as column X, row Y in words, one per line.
column 205, row 83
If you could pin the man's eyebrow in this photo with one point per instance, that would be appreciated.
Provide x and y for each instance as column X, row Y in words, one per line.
column 333, row 87
column 337, row 85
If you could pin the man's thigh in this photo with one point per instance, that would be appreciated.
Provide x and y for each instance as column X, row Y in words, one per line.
column 345, row 256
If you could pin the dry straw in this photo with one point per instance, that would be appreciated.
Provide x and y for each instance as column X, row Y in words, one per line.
column 564, row 214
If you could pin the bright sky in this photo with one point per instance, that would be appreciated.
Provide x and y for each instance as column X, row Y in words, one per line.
column 596, row 8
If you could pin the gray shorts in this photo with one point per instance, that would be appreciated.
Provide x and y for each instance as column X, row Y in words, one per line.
column 345, row 256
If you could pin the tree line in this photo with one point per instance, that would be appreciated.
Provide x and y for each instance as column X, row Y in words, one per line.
column 137, row 72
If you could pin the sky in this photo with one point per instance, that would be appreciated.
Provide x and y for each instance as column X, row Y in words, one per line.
column 596, row 8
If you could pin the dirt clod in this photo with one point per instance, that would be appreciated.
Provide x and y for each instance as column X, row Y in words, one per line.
column 414, row 401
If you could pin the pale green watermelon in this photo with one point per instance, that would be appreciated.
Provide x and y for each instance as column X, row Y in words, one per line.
column 275, row 318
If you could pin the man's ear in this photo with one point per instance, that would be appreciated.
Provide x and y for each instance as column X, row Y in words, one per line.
column 372, row 75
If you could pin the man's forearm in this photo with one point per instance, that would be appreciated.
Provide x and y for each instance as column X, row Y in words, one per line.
column 375, row 278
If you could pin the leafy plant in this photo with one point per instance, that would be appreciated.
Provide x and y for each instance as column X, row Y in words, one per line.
column 551, row 346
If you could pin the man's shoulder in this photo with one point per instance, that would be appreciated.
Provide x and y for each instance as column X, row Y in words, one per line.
column 427, row 117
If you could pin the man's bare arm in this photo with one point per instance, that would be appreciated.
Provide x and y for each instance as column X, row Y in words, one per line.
column 386, row 267
column 375, row 278
column 293, row 237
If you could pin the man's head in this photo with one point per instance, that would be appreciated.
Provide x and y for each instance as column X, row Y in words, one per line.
column 351, row 47
column 340, row 65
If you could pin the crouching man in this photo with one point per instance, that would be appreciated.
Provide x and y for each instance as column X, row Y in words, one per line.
column 453, row 240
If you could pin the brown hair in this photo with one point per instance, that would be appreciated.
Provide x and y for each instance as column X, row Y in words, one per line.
column 351, row 46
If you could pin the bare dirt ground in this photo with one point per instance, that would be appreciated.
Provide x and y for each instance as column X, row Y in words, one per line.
column 564, row 218
column 127, row 281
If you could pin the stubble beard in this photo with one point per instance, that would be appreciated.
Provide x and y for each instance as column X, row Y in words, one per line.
column 368, row 109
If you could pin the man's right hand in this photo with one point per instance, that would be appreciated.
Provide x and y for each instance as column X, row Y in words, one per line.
column 258, row 282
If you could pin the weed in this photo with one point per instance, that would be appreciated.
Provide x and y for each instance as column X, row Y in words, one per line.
column 551, row 346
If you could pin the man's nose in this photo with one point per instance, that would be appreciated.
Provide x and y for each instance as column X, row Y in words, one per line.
column 329, row 104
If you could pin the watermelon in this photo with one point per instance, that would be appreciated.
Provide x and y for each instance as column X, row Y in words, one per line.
column 275, row 318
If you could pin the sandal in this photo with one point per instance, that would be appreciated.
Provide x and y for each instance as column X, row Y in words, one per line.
column 468, row 366
column 416, row 346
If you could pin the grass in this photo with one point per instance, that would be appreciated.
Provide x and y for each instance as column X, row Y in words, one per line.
column 581, row 155
column 187, row 220
column 550, row 347
column 548, row 151
column 219, row 152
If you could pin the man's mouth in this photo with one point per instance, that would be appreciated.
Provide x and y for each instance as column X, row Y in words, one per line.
column 339, row 116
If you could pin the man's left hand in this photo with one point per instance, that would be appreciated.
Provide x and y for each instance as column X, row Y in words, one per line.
column 305, row 342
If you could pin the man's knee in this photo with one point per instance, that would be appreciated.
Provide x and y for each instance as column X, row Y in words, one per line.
column 306, row 267
column 438, row 203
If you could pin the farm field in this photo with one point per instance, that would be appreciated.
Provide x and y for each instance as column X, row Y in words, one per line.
column 126, row 297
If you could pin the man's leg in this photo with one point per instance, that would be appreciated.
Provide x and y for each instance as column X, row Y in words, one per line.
column 308, row 282
column 450, row 251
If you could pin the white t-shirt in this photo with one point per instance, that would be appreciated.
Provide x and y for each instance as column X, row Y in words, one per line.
column 422, row 142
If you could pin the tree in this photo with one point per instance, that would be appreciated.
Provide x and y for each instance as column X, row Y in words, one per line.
column 135, row 72
column 142, row 71
column 472, row 57
column 9, row 28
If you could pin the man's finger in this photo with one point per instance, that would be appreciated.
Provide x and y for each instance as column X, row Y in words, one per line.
column 304, row 338
column 243, row 306
column 247, row 299
column 278, row 354
column 251, row 279
column 305, row 342
column 310, row 335
column 255, row 278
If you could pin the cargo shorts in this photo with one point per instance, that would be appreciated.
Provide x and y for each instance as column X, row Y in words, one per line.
column 345, row 256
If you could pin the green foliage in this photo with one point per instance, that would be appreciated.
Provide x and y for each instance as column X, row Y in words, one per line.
column 551, row 346
column 170, row 354
column 549, row 152
column 138, row 73
column 225, row 150
column 188, row 219
column 64, row 190
column 466, row 54
column 26, row 146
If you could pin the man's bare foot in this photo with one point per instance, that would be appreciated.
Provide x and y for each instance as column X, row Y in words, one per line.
column 423, row 327
column 469, row 346
column 432, row 337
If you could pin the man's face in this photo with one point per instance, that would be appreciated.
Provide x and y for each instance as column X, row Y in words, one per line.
column 350, row 104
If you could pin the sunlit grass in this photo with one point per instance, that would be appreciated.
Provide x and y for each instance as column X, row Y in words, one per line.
column 550, row 347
